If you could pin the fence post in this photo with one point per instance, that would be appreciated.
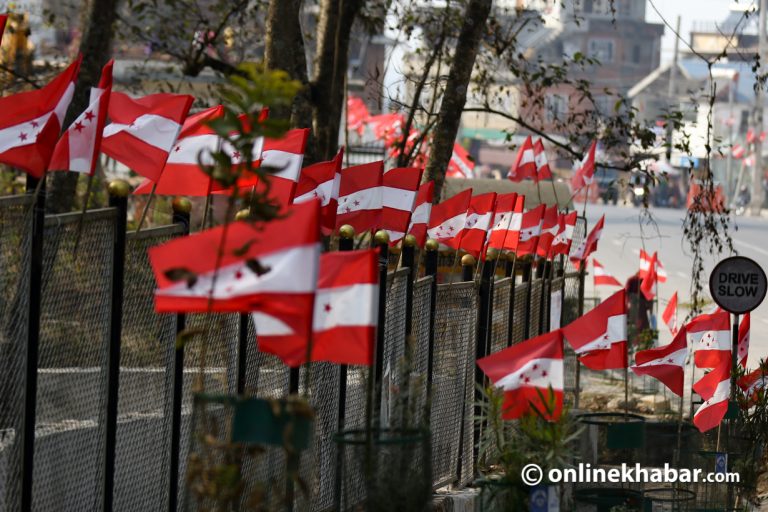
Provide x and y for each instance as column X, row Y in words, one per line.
column 546, row 277
column 381, row 241
column 430, row 269
column 526, row 266
column 409, row 259
column 118, row 198
column 580, row 312
column 510, row 272
column 34, row 186
column 242, row 331
column 483, row 334
column 181, row 214
column 467, row 268
column 346, row 243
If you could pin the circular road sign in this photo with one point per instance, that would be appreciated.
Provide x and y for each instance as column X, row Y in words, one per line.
column 738, row 284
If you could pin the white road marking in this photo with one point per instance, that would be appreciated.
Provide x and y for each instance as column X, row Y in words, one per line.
column 752, row 247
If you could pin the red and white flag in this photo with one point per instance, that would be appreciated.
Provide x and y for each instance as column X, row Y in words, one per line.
column 182, row 174
column 460, row 165
column 645, row 265
column 31, row 122
column 526, row 372
column 3, row 21
column 530, row 229
column 586, row 172
column 399, row 197
column 649, row 282
column 549, row 229
column 525, row 163
column 562, row 241
column 710, row 338
column 446, row 222
column 344, row 319
column 753, row 383
column 421, row 212
column 743, row 348
column 589, row 245
column 599, row 337
column 143, row 131
column 477, row 224
column 507, row 219
column 670, row 314
column 602, row 277
column 269, row 267
column 361, row 196
column 543, row 172
column 321, row 181
column 78, row 149
column 286, row 155
column 718, row 391
column 357, row 113
column 738, row 151
column 666, row 364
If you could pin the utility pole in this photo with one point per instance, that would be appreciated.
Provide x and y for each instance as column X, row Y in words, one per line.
column 757, row 170
column 672, row 91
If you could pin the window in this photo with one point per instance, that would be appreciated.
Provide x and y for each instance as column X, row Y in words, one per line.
column 601, row 49
column 557, row 107
column 636, row 53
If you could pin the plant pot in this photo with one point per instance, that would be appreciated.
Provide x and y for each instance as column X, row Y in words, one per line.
column 497, row 494
column 610, row 436
column 244, row 451
column 603, row 499
column 668, row 499
column 663, row 437
column 383, row 470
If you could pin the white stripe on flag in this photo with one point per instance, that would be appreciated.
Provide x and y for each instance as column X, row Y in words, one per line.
column 346, row 306
column 541, row 373
column 398, row 198
column 288, row 164
column 366, row 199
column 157, row 131
column 616, row 330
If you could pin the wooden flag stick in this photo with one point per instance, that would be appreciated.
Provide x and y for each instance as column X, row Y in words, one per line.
column 146, row 207
column 81, row 220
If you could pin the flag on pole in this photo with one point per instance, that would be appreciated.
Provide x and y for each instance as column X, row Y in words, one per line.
column 446, row 221
column 269, row 267
column 670, row 314
column 543, row 172
column 645, row 265
column 648, row 285
column 525, row 163
column 586, row 172
column 561, row 244
column 31, row 122
column 421, row 212
column 528, row 372
column 344, row 319
column 530, row 229
column 602, row 277
column 507, row 219
column 460, row 165
column 321, row 181
column 717, row 385
column 398, row 198
column 710, row 338
column 666, row 364
column 143, row 131
column 549, row 228
column 753, row 383
column 743, row 348
column 589, row 245
column 599, row 337
column 361, row 196
column 477, row 223
column 78, row 149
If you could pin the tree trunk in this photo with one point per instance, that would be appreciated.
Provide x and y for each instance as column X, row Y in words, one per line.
column 455, row 95
column 284, row 49
column 334, row 29
column 96, row 48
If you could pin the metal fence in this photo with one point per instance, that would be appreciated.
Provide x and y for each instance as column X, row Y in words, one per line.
column 430, row 344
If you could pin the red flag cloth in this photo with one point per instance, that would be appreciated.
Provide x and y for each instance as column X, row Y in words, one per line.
column 287, row 155
column 666, row 364
column 753, row 383
column 3, row 21
column 269, row 267
column 507, row 219
column 599, row 337
column 561, row 244
column 530, row 229
column 357, row 113
column 710, row 338
column 345, row 314
column 717, row 385
column 477, row 223
column 398, row 198
column 182, row 174
column 360, row 196
column 670, row 314
column 460, row 165
column 586, row 172
column 525, row 163
column 549, row 228
column 645, row 265
column 589, row 244
column 526, row 372
column 31, row 122
column 648, row 285
column 446, row 221
column 543, row 172
column 421, row 212
column 143, row 131
column 602, row 277
column 78, row 149
column 321, row 181
column 750, row 136
column 743, row 348
column 386, row 125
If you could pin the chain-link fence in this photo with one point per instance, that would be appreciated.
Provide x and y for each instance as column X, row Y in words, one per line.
column 421, row 327
column 502, row 294
column 579, row 234
column 520, row 314
column 364, row 154
column 15, row 245
column 72, row 374
column 534, row 311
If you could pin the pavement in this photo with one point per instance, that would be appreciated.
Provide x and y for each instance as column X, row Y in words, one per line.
column 626, row 232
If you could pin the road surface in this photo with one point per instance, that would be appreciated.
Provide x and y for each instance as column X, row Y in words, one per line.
column 623, row 238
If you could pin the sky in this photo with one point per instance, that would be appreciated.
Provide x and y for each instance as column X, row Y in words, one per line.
column 690, row 11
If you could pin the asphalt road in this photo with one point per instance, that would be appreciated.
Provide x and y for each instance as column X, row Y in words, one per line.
column 626, row 233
